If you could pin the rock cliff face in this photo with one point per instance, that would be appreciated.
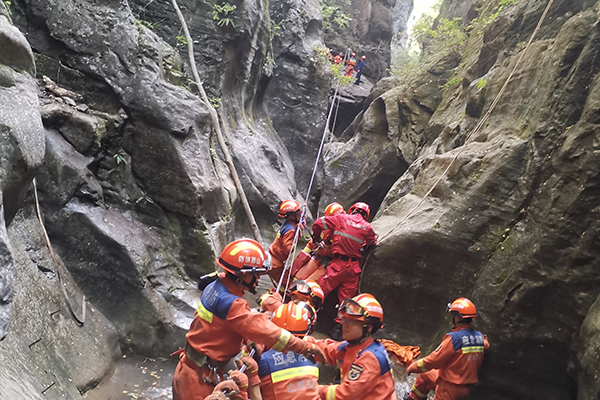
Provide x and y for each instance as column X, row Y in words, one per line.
column 374, row 25
column 512, row 225
column 136, row 198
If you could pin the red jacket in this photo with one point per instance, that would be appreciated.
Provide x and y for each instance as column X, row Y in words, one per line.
column 350, row 233
column 223, row 320
column 280, row 248
column 287, row 377
column 365, row 371
column 458, row 356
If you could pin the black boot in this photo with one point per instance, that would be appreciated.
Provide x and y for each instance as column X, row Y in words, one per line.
column 336, row 332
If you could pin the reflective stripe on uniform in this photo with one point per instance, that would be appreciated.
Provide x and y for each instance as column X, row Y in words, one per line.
column 324, row 223
column 282, row 341
column 472, row 349
column 331, row 392
column 290, row 373
column 421, row 365
column 418, row 392
column 346, row 235
column 204, row 313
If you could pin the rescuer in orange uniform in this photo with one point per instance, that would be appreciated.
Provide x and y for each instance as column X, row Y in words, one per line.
column 281, row 246
column 350, row 63
column 223, row 320
column 351, row 232
column 451, row 369
column 313, row 259
column 364, row 364
column 290, row 376
column 307, row 291
column 338, row 59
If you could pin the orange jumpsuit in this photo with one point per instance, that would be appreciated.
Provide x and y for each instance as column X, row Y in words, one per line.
column 287, row 377
column 221, row 322
column 451, row 369
column 365, row 371
column 350, row 66
column 280, row 249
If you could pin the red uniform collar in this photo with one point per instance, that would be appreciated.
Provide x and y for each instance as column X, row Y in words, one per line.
column 362, row 345
column 460, row 328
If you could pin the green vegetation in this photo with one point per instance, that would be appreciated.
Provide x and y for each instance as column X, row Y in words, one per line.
column 433, row 45
column 141, row 23
column 452, row 82
column 6, row 5
column 182, row 40
column 120, row 157
column 215, row 102
column 332, row 11
column 501, row 6
column 223, row 14
column 144, row 197
column 481, row 84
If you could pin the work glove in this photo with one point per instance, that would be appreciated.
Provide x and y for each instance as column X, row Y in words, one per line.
column 270, row 300
column 228, row 388
column 312, row 353
column 241, row 381
column 216, row 396
column 251, row 369
column 257, row 347
column 413, row 368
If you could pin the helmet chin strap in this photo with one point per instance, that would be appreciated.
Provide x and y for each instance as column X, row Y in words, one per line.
column 250, row 285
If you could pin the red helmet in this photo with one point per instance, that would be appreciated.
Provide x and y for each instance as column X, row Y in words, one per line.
column 244, row 256
column 363, row 307
column 298, row 318
column 288, row 207
column 309, row 291
column 334, row 208
column 361, row 208
column 363, row 57
column 464, row 307
column 353, row 54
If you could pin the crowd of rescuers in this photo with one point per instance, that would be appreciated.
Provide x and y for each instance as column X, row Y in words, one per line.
column 233, row 352
column 350, row 64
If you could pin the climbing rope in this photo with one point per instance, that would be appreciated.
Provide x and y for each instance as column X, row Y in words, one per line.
column 289, row 260
column 471, row 135
column 77, row 320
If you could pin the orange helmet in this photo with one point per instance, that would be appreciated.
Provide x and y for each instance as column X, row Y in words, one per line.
column 288, row 207
column 353, row 54
column 334, row 208
column 298, row 318
column 244, row 256
column 309, row 291
column 360, row 208
column 464, row 307
column 363, row 307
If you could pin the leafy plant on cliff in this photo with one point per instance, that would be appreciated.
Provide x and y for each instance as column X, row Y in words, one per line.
column 332, row 11
column 223, row 14
column 435, row 44
column 6, row 5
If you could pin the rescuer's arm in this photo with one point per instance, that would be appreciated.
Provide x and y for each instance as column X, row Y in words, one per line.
column 436, row 360
column 328, row 347
column 258, row 328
